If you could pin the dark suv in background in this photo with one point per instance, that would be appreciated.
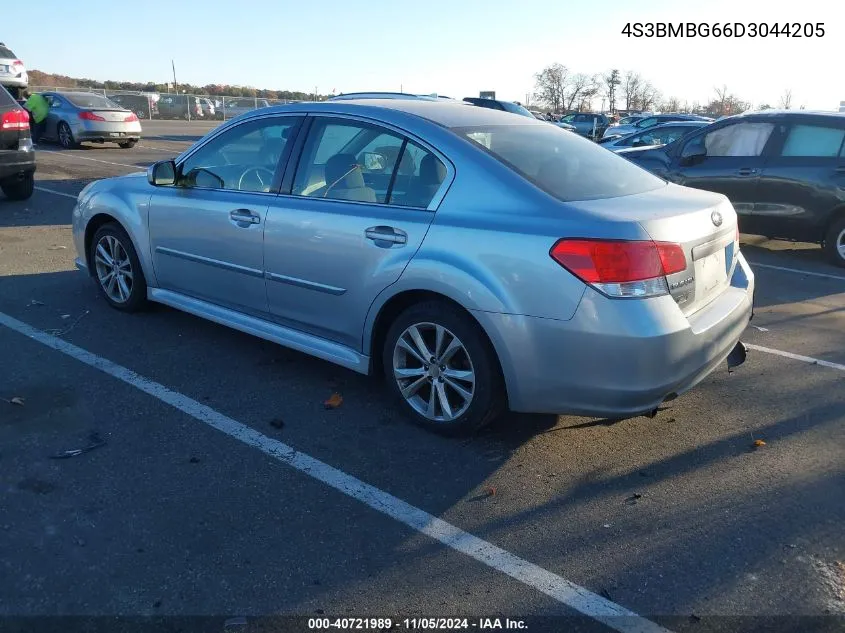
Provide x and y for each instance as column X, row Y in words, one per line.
column 784, row 172
column 587, row 124
column 17, row 160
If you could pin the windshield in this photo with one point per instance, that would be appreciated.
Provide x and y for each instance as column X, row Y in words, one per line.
column 561, row 163
column 515, row 108
column 86, row 100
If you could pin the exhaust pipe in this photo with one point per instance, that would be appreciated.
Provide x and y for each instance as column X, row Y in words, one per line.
column 737, row 356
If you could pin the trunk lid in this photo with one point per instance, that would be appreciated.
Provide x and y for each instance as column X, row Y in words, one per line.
column 702, row 222
column 110, row 115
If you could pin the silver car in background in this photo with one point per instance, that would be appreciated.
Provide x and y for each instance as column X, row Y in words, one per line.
column 12, row 70
column 479, row 260
column 236, row 107
column 86, row 117
column 653, row 136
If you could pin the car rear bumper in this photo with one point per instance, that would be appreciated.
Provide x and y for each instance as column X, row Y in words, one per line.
column 617, row 358
column 16, row 163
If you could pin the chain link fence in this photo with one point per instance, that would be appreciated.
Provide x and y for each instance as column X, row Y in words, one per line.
column 176, row 106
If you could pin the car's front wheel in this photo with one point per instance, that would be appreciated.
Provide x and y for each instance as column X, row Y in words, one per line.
column 128, row 144
column 18, row 187
column 116, row 268
column 834, row 242
column 441, row 366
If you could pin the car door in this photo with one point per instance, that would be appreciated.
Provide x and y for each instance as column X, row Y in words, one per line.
column 53, row 116
column 340, row 238
column 732, row 160
column 207, row 231
column 804, row 179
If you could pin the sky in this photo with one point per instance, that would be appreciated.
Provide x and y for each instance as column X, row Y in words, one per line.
column 450, row 47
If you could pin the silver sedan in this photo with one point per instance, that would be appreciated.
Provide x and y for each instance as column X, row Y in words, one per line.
column 476, row 259
column 78, row 117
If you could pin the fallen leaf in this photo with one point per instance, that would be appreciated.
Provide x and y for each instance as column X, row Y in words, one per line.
column 759, row 443
column 56, row 248
column 694, row 618
column 65, row 316
column 633, row 498
column 35, row 302
column 606, row 525
column 491, row 491
column 334, row 401
column 605, row 594
column 277, row 423
column 17, row 400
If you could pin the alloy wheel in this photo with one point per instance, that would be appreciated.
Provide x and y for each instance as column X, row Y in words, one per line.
column 840, row 244
column 114, row 269
column 65, row 137
column 434, row 372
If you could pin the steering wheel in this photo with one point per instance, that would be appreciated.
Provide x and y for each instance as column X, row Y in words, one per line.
column 262, row 175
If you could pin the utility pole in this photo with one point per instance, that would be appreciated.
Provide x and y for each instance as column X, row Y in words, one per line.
column 175, row 85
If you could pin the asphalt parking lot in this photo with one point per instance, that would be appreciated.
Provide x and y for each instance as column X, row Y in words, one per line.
column 213, row 496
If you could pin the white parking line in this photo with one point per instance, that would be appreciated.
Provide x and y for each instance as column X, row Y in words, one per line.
column 54, row 192
column 805, row 359
column 162, row 149
column 590, row 604
column 798, row 271
column 95, row 160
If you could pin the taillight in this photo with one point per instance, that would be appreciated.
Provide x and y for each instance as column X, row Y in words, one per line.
column 621, row 268
column 131, row 118
column 14, row 120
column 17, row 66
column 90, row 116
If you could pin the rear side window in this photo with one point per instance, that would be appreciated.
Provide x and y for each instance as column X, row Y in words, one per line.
column 5, row 98
column 5, row 53
column 739, row 139
column 813, row 141
column 561, row 163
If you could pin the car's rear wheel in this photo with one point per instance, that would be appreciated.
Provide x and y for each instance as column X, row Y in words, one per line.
column 65, row 135
column 18, row 187
column 128, row 144
column 116, row 268
column 440, row 365
column 834, row 242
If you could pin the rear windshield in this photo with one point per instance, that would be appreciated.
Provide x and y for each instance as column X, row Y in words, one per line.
column 84, row 100
column 561, row 163
column 6, row 99
column 5, row 53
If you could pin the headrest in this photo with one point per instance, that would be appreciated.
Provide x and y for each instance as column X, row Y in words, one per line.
column 343, row 172
column 432, row 171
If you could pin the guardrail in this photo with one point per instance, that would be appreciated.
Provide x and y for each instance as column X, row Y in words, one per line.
column 182, row 106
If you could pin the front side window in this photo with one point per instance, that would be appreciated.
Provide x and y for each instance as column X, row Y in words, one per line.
column 244, row 158
column 561, row 163
column 738, row 139
column 813, row 141
column 360, row 162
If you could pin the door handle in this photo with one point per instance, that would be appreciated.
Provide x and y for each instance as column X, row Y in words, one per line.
column 244, row 216
column 747, row 171
column 386, row 234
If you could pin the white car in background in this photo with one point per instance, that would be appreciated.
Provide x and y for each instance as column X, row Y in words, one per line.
column 12, row 71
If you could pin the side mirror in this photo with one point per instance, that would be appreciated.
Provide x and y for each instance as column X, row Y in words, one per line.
column 693, row 153
column 162, row 173
column 373, row 161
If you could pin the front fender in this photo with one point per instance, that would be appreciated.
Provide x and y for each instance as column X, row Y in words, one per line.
column 130, row 208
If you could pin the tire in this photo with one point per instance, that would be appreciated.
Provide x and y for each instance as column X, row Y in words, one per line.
column 131, row 295
column 128, row 144
column 18, row 187
column 423, row 383
column 834, row 243
column 65, row 135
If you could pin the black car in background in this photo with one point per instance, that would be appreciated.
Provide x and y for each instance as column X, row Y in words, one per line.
column 784, row 172
column 143, row 107
column 17, row 160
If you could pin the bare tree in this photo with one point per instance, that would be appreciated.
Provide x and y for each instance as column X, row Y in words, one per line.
column 672, row 104
column 764, row 106
column 549, row 86
column 576, row 87
column 786, row 99
column 721, row 99
column 647, row 96
column 611, row 81
column 630, row 88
